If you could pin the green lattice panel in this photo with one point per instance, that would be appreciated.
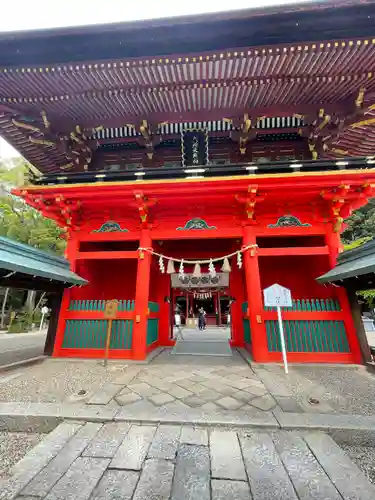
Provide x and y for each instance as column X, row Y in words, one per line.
column 311, row 305
column 85, row 334
column 126, row 305
column 99, row 305
column 308, row 336
column 247, row 331
column 152, row 330
column 122, row 334
column 91, row 334
column 153, row 306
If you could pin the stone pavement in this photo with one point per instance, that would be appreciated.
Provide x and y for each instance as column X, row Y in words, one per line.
column 208, row 383
column 231, row 384
column 339, row 389
column 167, row 462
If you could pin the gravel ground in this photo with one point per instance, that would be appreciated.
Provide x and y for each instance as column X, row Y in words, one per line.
column 339, row 389
column 13, row 447
column 364, row 458
column 56, row 381
column 349, row 390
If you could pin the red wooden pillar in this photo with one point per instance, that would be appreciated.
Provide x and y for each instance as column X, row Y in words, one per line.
column 254, row 298
column 139, row 348
column 334, row 244
column 236, row 290
column 71, row 255
column 164, row 285
column 218, row 308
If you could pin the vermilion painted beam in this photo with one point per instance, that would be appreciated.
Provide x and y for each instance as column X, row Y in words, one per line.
column 173, row 234
column 129, row 254
column 130, row 236
column 281, row 252
column 88, row 315
column 94, row 353
column 305, row 315
column 311, row 357
column 290, row 231
column 288, row 181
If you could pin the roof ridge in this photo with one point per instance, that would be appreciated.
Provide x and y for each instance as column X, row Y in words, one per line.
column 367, row 248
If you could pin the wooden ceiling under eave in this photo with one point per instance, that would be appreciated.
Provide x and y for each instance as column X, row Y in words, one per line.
column 274, row 79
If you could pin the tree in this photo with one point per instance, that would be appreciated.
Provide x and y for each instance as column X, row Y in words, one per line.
column 22, row 223
column 356, row 243
column 361, row 224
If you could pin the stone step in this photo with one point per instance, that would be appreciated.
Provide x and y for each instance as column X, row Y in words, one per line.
column 184, row 462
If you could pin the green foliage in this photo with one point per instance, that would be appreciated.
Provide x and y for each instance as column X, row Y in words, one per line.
column 368, row 296
column 356, row 243
column 20, row 222
column 21, row 323
column 24, row 224
column 37, row 317
column 15, row 173
column 361, row 224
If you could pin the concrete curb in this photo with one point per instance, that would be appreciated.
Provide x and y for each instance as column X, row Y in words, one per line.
column 24, row 362
column 43, row 417
column 351, row 429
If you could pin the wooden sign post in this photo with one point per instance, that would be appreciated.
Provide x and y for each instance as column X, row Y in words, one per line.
column 110, row 313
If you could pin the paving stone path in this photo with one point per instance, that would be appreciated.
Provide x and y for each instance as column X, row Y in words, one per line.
column 207, row 383
column 114, row 461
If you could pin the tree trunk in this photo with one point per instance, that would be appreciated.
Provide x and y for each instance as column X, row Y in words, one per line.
column 39, row 301
column 30, row 301
column 2, row 322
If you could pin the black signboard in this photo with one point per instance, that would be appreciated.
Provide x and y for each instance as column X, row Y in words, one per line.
column 194, row 146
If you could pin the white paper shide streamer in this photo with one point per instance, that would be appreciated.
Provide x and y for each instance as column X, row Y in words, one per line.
column 181, row 270
column 197, row 272
column 170, row 267
column 161, row 264
column 239, row 260
column 226, row 268
column 211, row 269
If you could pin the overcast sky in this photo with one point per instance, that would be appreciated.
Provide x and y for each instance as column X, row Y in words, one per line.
column 39, row 14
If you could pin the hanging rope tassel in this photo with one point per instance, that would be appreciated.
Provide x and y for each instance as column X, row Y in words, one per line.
column 197, row 271
column 181, row 270
column 211, row 269
column 161, row 265
column 226, row 268
column 170, row 267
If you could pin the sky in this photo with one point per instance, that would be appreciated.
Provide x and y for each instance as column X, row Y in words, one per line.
column 39, row 14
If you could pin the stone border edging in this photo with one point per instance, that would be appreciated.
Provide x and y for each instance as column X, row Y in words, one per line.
column 43, row 417
column 23, row 363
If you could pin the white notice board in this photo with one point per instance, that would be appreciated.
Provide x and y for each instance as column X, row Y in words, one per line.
column 277, row 296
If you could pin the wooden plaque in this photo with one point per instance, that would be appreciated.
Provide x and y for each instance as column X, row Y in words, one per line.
column 110, row 310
